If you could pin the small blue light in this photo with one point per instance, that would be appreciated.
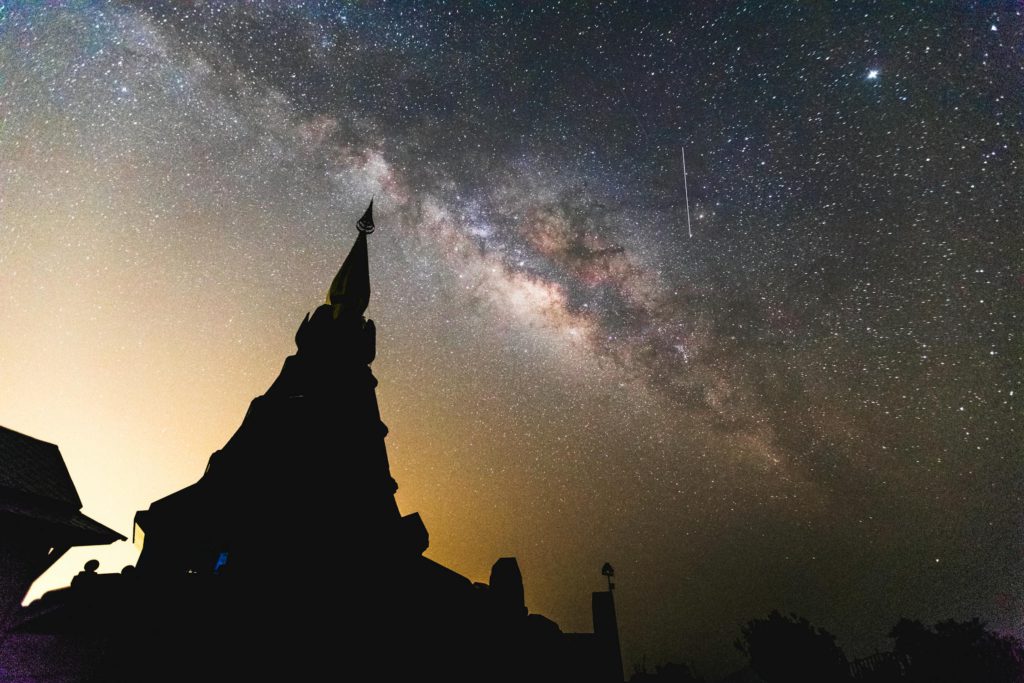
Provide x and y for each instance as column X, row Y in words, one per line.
column 222, row 560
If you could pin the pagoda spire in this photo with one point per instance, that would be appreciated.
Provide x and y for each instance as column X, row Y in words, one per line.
column 349, row 292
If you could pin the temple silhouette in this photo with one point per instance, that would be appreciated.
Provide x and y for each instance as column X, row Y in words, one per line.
column 287, row 560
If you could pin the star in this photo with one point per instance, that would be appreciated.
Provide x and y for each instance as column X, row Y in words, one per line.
column 873, row 74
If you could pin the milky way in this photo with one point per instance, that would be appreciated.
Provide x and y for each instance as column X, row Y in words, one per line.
column 813, row 404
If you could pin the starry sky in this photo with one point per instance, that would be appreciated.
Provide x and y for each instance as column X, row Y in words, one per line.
column 813, row 403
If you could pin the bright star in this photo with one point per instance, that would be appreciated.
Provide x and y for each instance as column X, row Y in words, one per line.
column 873, row 74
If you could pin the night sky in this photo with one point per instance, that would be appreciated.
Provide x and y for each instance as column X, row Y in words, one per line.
column 812, row 404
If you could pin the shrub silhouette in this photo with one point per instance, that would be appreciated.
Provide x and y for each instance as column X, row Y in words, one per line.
column 785, row 649
column 958, row 652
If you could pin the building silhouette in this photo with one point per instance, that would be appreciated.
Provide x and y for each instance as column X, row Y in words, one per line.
column 40, row 517
column 289, row 558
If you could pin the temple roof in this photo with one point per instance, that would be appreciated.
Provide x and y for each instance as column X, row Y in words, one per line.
column 35, row 485
column 36, row 468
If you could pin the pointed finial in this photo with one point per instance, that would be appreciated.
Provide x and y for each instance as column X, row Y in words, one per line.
column 349, row 292
column 365, row 224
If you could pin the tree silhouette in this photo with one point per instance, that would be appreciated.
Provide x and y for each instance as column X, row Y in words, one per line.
column 958, row 652
column 783, row 649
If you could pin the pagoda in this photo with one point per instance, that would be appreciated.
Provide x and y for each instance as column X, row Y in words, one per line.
column 307, row 468
column 290, row 560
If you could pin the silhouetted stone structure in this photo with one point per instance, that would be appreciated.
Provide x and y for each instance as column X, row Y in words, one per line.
column 606, row 631
column 294, row 525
